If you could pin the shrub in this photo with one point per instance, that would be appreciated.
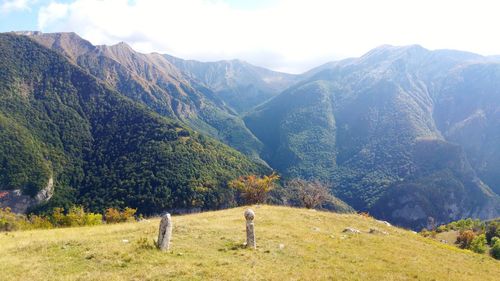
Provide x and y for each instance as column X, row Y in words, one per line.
column 441, row 228
column 75, row 216
column 112, row 215
column 254, row 189
column 128, row 214
column 464, row 239
column 428, row 233
column 144, row 243
column 38, row 222
column 93, row 219
column 495, row 248
column 452, row 226
column 58, row 218
column 492, row 230
column 469, row 224
column 115, row 216
column 10, row 221
column 478, row 244
column 309, row 194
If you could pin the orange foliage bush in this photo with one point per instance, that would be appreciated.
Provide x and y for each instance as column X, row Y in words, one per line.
column 465, row 238
column 113, row 215
column 254, row 189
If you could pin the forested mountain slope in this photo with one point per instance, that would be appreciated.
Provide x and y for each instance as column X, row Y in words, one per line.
column 393, row 131
column 152, row 80
column 404, row 133
column 101, row 148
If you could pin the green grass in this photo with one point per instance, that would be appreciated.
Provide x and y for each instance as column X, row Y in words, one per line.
column 208, row 246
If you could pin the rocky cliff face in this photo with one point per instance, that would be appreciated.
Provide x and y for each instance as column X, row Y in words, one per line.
column 239, row 84
column 19, row 203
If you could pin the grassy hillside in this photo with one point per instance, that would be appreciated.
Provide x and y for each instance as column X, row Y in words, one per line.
column 208, row 246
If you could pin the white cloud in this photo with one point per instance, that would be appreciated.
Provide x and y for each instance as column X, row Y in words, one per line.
column 8, row 6
column 53, row 12
column 290, row 35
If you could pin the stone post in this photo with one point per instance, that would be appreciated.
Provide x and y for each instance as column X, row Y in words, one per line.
column 165, row 232
column 249, row 216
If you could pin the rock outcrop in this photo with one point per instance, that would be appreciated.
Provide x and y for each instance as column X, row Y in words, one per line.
column 19, row 203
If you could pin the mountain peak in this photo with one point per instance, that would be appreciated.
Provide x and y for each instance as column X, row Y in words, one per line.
column 121, row 52
column 27, row 32
column 387, row 51
column 389, row 47
column 122, row 45
column 68, row 43
column 118, row 48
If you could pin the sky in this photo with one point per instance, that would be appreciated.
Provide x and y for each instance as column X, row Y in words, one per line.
column 285, row 35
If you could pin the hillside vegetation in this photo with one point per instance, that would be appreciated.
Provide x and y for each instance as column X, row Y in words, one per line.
column 404, row 133
column 150, row 79
column 102, row 149
column 293, row 244
column 407, row 134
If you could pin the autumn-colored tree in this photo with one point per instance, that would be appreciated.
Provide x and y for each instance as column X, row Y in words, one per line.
column 113, row 215
column 465, row 238
column 254, row 189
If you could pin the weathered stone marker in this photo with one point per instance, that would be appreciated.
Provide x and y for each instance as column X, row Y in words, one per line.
column 249, row 216
column 165, row 232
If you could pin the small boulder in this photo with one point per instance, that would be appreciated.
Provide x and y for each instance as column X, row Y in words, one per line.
column 377, row 231
column 384, row 222
column 351, row 230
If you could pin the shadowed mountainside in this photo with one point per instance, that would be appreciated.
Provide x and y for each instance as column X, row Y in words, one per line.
column 368, row 125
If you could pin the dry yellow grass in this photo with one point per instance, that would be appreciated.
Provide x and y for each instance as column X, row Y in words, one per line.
column 448, row 237
column 207, row 246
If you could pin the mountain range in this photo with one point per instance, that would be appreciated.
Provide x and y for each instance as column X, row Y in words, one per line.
column 100, row 148
column 407, row 134
column 404, row 133
column 154, row 81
